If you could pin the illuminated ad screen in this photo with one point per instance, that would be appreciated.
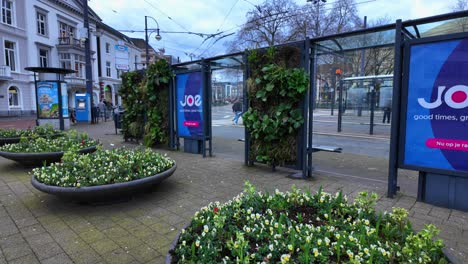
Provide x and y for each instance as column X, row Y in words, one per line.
column 190, row 116
column 436, row 119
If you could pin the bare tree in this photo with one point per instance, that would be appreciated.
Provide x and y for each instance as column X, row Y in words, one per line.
column 460, row 5
column 268, row 24
column 462, row 23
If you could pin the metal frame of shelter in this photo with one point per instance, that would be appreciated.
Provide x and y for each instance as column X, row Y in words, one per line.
column 397, row 34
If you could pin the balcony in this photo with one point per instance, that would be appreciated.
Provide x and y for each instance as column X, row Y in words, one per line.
column 5, row 73
column 69, row 42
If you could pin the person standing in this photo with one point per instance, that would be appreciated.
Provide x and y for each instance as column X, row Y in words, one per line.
column 237, row 109
column 386, row 115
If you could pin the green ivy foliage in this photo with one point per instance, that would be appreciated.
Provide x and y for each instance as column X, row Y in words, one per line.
column 274, row 117
column 158, row 77
column 132, row 96
column 146, row 98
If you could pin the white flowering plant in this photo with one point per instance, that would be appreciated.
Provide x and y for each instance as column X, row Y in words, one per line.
column 103, row 167
column 300, row 227
column 71, row 141
column 41, row 131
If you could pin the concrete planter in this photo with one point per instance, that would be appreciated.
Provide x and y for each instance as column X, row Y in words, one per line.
column 170, row 259
column 96, row 193
column 4, row 141
column 14, row 140
column 38, row 159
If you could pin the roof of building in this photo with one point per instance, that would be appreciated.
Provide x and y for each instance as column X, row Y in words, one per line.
column 141, row 43
column 117, row 33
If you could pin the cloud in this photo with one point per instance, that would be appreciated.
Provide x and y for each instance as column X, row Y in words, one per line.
column 207, row 16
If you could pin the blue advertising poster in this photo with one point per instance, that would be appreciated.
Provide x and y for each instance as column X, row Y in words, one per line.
column 437, row 106
column 48, row 104
column 190, row 114
column 64, row 100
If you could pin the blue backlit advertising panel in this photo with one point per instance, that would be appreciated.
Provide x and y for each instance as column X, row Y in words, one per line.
column 436, row 121
column 190, row 111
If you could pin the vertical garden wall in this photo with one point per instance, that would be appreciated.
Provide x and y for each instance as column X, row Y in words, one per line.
column 277, row 85
column 145, row 97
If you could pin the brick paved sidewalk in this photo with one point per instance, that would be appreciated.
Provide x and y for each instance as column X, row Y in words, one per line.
column 40, row 228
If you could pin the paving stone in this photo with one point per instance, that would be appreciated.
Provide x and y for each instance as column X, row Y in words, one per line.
column 32, row 230
column 16, row 251
column 115, row 232
column 28, row 259
column 144, row 253
column 104, row 246
column 85, row 257
column 12, row 240
column 128, row 242
column 74, row 246
column 58, row 259
column 119, row 256
column 141, row 231
column 92, row 236
column 48, row 250
column 40, row 239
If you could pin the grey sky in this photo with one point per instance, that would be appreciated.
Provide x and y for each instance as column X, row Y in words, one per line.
column 212, row 16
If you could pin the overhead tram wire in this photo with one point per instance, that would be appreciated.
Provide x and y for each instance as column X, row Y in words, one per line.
column 170, row 18
column 222, row 24
column 330, row 8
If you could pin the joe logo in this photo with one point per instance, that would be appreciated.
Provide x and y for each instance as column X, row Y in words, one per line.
column 456, row 97
column 190, row 100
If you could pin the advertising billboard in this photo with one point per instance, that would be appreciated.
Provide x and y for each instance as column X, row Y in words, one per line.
column 121, row 57
column 436, row 107
column 48, row 101
column 190, row 110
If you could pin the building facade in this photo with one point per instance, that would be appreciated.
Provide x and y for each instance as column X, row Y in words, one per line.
column 16, row 96
column 49, row 33
column 117, row 54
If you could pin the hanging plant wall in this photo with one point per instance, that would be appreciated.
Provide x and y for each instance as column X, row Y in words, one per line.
column 157, row 80
column 276, row 87
column 132, row 96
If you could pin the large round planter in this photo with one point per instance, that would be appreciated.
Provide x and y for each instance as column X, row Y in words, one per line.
column 169, row 258
column 96, row 193
column 38, row 159
column 14, row 140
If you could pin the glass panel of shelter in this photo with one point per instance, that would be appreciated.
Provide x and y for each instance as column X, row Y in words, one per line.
column 352, row 72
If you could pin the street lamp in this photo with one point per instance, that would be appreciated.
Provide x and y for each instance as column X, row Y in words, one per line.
column 158, row 37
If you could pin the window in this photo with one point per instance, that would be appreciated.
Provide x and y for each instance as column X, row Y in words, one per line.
column 107, row 48
column 41, row 23
column 108, row 69
column 65, row 60
column 66, row 30
column 79, row 66
column 43, row 57
column 13, row 97
column 10, row 55
column 7, row 12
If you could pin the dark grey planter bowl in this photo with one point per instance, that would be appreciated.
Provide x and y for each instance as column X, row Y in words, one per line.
column 4, row 141
column 169, row 258
column 38, row 159
column 14, row 140
column 96, row 193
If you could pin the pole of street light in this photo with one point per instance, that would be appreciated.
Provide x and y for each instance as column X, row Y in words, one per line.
column 88, row 72
column 158, row 37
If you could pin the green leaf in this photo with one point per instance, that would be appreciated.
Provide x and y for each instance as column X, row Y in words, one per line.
column 269, row 87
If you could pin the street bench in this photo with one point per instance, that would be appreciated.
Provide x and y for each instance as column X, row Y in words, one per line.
column 316, row 148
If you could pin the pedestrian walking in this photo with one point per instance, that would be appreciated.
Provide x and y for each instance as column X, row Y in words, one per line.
column 237, row 109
